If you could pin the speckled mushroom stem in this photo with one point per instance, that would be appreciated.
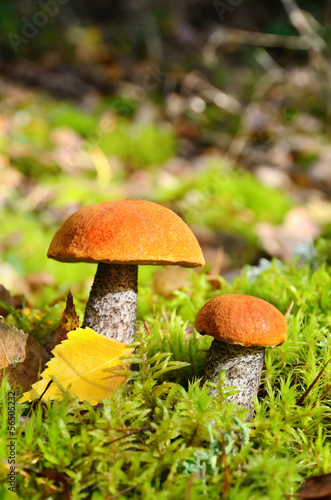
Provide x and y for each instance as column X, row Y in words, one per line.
column 111, row 309
column 243, row 366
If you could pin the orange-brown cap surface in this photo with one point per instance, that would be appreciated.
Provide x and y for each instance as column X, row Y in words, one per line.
column 126, row 232
column 242, row 319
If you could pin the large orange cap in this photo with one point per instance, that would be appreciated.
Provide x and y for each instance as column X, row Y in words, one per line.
column 126, row 232
column 242, row 319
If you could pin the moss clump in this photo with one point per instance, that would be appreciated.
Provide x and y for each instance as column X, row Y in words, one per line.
column 163, row 436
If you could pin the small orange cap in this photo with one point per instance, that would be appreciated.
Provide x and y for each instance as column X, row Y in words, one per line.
column 243, row 320
column 126, row 232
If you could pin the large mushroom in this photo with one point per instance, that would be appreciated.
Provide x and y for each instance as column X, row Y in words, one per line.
column 242, row 326
column 119, row 236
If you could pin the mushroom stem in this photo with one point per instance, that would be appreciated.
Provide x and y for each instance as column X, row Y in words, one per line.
column 243, row 367
column 111, row 309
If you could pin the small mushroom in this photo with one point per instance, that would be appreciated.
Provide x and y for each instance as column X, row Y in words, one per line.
column 119, row 236
column 242, row 326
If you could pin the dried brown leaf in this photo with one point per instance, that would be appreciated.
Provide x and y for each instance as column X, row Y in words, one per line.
column 7, row 299
column 20, row 356
column 316, row 487
column 69, row 322
column 169, row 279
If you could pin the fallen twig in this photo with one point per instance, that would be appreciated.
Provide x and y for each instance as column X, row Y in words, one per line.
column 305, row 394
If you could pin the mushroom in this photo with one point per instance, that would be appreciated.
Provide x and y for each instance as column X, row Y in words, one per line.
column 242, row 326
column 120, row 235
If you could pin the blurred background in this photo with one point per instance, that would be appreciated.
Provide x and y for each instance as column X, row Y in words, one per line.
column 217, row 109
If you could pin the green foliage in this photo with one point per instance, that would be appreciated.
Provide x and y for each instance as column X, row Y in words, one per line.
column 135, row 143
column 164, row 436
column 67, row 115
column 37, row 322
column 237, row 199
column 228, row 200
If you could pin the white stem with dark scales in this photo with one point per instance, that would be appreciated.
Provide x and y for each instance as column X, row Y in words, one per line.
column 111, row 309
column 243, row 367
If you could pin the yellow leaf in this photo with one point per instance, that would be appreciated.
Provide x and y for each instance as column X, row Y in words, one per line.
column 88, row 361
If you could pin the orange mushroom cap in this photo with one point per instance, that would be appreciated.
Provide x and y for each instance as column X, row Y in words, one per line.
column 126, row 232
column 243, row 320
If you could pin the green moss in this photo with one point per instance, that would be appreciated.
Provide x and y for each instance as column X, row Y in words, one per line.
column 136, row 143
column 163, row 436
